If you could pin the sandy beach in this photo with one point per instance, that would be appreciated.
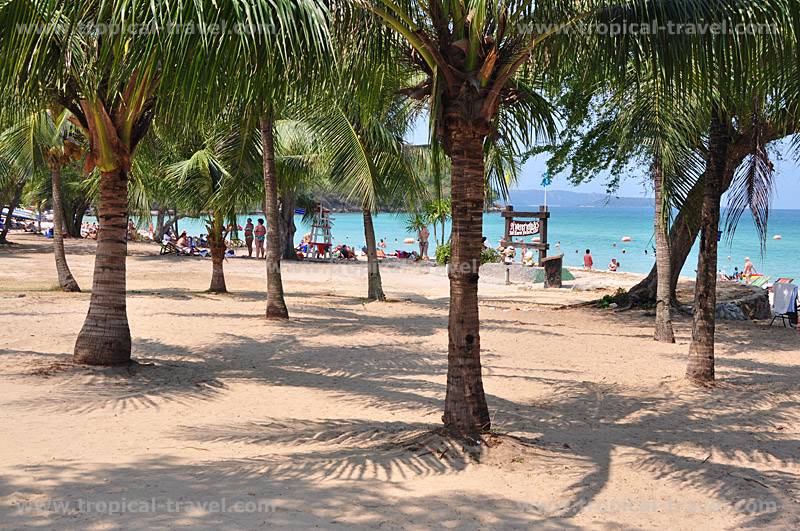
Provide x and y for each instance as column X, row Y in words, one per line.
column 329, row 420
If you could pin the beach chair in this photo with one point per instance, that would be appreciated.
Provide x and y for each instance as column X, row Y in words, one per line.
column 784, row 303
column 169, row 248
column 760, row 281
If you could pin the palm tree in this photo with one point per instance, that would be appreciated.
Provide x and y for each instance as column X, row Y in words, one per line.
column 38, row 141
column 203, row 184
column 111, row 84
column 363, row 142
column 478, row 62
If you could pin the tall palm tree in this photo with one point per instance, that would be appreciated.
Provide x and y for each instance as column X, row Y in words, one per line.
column 478, row 60
column 113, row 84
column 362, row 138
column 39, row 142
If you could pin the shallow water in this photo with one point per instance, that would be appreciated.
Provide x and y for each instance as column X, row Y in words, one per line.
column 599, row 229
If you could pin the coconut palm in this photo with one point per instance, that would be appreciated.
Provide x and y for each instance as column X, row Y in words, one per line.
column 113, row 86
column 40, row 142
column 479, row 60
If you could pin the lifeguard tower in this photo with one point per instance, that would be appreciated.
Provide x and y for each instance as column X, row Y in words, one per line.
column 321, row 243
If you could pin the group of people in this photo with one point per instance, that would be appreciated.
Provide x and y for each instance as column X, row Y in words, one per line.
column 745, row 274
column 255, row 234
column 588, row 262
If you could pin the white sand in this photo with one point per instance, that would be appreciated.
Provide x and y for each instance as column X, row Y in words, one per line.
column 326, row 420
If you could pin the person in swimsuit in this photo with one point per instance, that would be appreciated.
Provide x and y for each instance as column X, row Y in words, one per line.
column 248, row 237
column 261, row 234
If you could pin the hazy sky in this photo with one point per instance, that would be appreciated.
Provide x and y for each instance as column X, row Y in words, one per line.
column 787, row 176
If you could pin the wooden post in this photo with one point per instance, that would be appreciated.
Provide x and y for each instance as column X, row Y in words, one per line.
column 508, row 219
column 543, row 235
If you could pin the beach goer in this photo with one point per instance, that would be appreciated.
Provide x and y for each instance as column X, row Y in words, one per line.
column 749, row 269
column 131, row 230
column 183, row 243
column 382, row 244
column 614, row 265
column 508, row 255
column 248, row 237
column 588, row 261
column 260, row 232
column 424, row 234
column 528, row 258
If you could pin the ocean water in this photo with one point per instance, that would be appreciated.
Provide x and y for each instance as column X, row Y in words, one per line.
column 599, row 229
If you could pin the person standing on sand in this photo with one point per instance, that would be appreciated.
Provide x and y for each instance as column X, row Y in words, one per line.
column 261, row 234
column 749, row 269
column 614, row 265
column 588, row 262
column 424, row 234
column 248, row 237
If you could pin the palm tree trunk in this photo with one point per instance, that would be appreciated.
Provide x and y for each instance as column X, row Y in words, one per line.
column 663, row 325
column 105, row 338
column 14, row 204
column 217, row 243
column 276, row 306
column 682, row 235
column 374, row 283
column 700, row 367
column 465, row 409
column 65, row 278
column 288, row 227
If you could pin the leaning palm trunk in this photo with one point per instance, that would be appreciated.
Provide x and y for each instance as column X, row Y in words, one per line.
column 374, row 283
column 217, row 243
column 700, row 367
column 65, row 279
column 276, row 306
column 465, row 409
column 105, row 338
column 11, row 207
column 663, row 325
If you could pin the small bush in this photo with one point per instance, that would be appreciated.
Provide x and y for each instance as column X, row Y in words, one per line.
column 488, row 256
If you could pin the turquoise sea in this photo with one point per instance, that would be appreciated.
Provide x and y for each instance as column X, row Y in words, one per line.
column 595, row 228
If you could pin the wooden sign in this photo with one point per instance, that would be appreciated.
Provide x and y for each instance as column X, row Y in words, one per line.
column 517, row 226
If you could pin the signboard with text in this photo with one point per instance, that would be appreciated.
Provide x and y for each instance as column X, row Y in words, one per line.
column 523, row 228
column 519, row 227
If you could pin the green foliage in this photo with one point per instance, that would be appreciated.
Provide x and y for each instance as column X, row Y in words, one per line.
column 488, row 256
column 443, row 254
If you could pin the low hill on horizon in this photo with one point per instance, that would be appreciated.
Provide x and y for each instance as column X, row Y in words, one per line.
column 567, row 198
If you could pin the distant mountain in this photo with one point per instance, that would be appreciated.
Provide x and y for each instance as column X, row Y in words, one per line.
column 566, row 198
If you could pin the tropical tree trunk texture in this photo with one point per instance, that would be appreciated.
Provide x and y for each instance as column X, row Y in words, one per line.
column 217, row 243
column 700, row 367
column 374, row 283
column 14, row 204
column 663, row 325
column 73, row 216
column 158, row 231
column 105, row 338
column 276, row 306
column 465, row 409
column 287, row 226
column 65, row 278
column 686, row 225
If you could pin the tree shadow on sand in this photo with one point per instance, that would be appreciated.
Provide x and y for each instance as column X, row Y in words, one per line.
column 731, row 443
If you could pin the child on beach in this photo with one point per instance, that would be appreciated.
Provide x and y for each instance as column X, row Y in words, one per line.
column 614, row 265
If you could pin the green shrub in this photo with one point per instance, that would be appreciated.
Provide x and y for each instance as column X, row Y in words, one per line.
column 488, row 256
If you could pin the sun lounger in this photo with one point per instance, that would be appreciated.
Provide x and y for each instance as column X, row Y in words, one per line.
column 760, row 281
column 170, row 248
column 784, row 303
column 784, row 280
